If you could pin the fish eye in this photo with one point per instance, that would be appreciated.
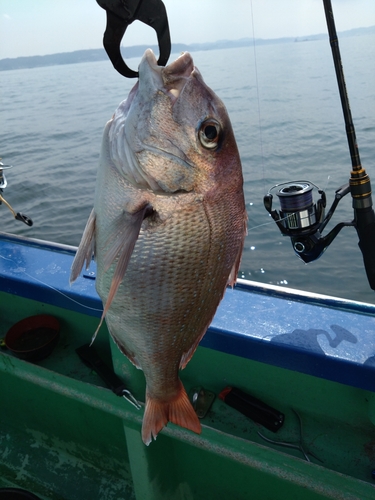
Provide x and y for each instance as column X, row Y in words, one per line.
column 209, row 134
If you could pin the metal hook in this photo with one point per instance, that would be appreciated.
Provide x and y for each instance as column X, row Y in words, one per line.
column 120, row 14
column 131, row 399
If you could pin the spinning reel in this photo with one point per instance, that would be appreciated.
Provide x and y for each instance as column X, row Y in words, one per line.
column 302, row 219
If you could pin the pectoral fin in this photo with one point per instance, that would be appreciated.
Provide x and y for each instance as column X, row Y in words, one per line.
column 236, row 265
column 86, row 248
column 125, row 234
column 234, row 271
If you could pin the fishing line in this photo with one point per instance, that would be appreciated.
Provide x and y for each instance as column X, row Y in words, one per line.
column 52, row 288
column 260, row 123
column 258, row 99
column 271, row 222
column 328, row 179
column 326, row 186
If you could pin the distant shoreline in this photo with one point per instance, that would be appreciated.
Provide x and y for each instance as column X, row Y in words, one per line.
column 92, row 55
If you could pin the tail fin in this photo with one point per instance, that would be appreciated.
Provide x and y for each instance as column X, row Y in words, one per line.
column 159, row 413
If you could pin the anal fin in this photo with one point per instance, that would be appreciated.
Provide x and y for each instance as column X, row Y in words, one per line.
column 131, row 357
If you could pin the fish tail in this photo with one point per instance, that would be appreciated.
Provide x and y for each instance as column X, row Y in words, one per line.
column 159, row 413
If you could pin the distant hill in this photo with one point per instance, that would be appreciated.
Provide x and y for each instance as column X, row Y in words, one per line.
column 80, row 56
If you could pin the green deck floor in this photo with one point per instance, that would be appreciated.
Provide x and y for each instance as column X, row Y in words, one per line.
column 63, row 435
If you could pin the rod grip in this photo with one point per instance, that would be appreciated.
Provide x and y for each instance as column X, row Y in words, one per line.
column 365, row 225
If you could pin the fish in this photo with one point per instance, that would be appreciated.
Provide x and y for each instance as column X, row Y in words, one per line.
column 167, row 228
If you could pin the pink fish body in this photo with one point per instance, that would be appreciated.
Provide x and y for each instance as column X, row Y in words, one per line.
column 167, row 228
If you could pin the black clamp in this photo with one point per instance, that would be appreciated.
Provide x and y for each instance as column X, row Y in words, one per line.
column 120, row 14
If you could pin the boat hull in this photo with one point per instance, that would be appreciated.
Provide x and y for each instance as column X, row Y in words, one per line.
column 65, row 435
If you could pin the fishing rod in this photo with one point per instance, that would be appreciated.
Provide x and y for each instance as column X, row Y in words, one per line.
column 360, row 185
column 3, row 184
column 303, row 220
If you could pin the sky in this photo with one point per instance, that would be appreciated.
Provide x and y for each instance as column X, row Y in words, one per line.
column 39, row 27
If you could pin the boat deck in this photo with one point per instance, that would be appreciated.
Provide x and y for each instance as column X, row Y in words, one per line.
column 297, row 352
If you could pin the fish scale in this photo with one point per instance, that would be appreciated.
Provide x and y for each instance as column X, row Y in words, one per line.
column 168, row 227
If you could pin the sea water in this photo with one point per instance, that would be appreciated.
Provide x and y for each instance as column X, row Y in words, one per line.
column 285, row 109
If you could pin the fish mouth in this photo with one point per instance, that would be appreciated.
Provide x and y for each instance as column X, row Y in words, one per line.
column 129, row 133
column 170, row 79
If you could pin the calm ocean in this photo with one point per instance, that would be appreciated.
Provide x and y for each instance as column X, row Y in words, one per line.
column 285, row 109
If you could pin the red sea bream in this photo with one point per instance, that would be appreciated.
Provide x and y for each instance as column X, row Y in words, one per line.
column 167, row 228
